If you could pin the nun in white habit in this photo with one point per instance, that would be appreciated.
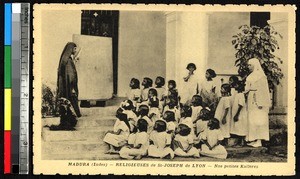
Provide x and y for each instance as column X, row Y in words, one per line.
column 258, row 102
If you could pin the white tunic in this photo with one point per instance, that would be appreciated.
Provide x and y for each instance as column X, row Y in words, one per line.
column 133, row 94
column 224, row 103
column 212, row 137
column 114, row 139
column 241, row 126
column 140, row 138
column 195, row 112
column 159, row 147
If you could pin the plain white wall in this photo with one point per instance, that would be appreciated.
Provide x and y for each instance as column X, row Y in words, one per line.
column 142, row 47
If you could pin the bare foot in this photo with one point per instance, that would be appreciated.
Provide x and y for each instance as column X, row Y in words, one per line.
column 139, row 157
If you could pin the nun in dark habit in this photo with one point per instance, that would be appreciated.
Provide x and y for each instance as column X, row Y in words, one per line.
column 67, row 89
column 67, row 81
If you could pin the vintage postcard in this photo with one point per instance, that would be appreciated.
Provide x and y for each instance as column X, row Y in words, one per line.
column 164, row 89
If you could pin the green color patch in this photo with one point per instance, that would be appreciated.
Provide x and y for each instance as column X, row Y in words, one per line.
column 7, row 67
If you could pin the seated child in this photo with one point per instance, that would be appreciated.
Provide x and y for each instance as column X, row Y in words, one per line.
column 138, row 143
column 184, row 142
column 147, row 83
column 172, row 91
column 128, row 108
column 143, row 112
column 171, row 105
column 160, row 82
column 160, row 141
column 169, row 117
column 196, row 106
column 135, row 92
column 153, row 102
column 212, row 139
column 223, row 112
column 118, row 137
column 201, row 123
column 186, row 113
column 239, row 122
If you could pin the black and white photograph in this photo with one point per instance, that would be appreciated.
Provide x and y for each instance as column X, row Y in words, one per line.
column 160, row 89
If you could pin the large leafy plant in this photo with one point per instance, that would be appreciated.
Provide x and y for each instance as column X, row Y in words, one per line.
column 260, row 43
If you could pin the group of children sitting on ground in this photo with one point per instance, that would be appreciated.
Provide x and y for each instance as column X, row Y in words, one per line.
column 154, row 123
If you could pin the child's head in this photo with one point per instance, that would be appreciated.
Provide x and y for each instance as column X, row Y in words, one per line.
column 184, row 130
column 152, row 93
column 171, row 102
column 213, row 124
column 186, row 111
column 143, row 110
column 191, row 67
column 142, row 125
column 160, row 126
column 210, row 74
column 205, row 114
column 169, row 116
column 239, row 86
column 127, row 105
column 134, row 83
column 147, row 82
column 159, row 82
column 171, row 84
column 196, row 100
column 232, row 80
column 122, row 117
column 225, row 89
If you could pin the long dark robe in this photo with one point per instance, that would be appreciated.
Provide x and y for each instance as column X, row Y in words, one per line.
column 67, row 82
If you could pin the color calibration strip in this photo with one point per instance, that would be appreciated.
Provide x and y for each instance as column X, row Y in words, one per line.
column 7, row 87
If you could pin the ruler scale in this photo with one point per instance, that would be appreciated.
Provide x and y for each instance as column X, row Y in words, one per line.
column 24, row 90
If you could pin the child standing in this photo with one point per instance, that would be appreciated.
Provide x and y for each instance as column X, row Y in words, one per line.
column 232, row 82
column 147, row 83
column 118, row 137
column 212, row 139
column 190, row 85
column 160, row 141
column 208, row 90
column 138, row 143
column 196, row 106
column 184, row 142
column 135, row 92
column 239, row 114
column 223, row 111
column 143, row 112
column 153, row 104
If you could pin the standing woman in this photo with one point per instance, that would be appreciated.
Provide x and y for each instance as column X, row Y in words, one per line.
column 258, row 104
column 67, row 81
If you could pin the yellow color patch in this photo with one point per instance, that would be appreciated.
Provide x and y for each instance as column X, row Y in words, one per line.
column 7, row 109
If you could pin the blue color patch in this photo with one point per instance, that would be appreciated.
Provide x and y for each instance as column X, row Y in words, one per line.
column 7, row 24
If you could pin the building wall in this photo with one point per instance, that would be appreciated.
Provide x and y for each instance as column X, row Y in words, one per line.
column 142, row 47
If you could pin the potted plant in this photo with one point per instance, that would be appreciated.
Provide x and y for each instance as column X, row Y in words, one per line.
column 260, row 43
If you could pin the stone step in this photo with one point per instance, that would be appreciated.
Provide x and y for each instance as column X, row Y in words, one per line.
column 82, row 134
column 91, row 121
column 240, row 152
column 99, row 111
column 78, row 147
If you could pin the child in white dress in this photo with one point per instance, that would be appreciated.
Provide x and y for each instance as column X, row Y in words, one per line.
column 172, row 92
column 160, row 141
column 147, row 83
column 138, row 143
column 184, row 142
column 169, row 117
column 208, row 90
column 186, row 118
column 161, row 90
column 196, row 106
column 171, row 106
column 128, row 108
column 190, row 85
column 118, row 137
column 232, row 82
column 212, row 139
column 143, row 112
column 135, row 92
column 201, row 123
column 153, row 103
column 239, row 123
column 223, row 111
